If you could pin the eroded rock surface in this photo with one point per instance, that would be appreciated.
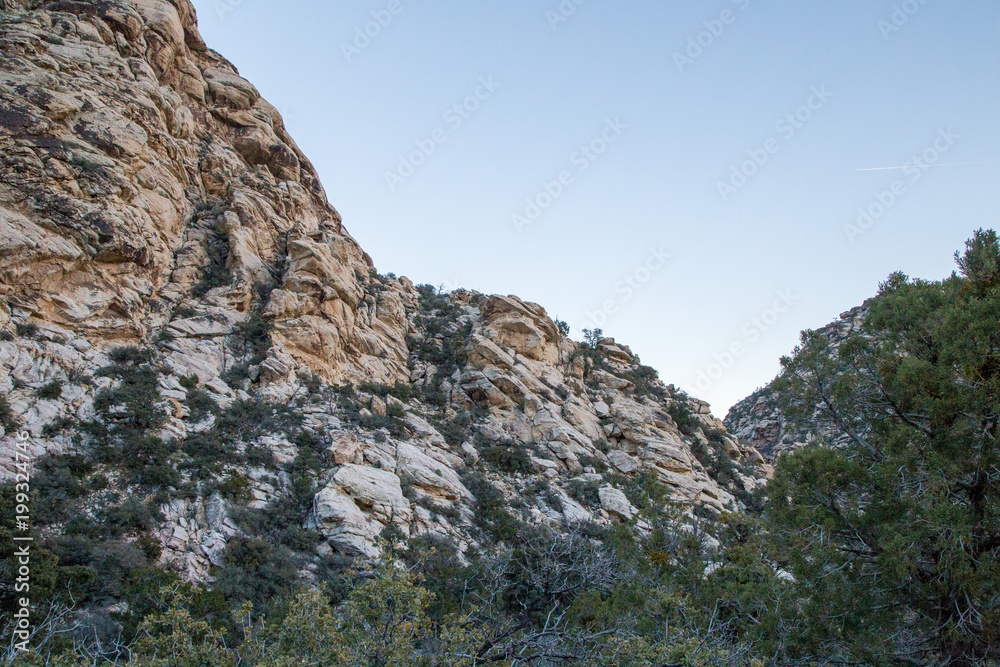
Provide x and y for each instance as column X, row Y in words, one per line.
column 151, row 199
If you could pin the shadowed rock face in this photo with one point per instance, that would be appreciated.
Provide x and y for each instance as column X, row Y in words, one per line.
column 758, row 419
column 150, row 197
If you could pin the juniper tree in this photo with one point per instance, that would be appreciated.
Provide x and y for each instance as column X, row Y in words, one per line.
column 894, row 534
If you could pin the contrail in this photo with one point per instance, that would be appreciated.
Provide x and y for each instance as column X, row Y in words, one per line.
column 909, row 166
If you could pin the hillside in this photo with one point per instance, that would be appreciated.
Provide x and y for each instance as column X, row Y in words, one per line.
column 758, row 419
column 202, row 355
column 228, row 439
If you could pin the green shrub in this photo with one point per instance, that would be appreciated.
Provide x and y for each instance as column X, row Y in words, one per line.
column 682, row 415
column 592, row 336
column 251, row 339
column 58, row 482
column 257, row 571
column 215, row 273
column 248, row 419
column 131, row 516
column 491, row 513
column 373, row 422
column 236, row 488
column 456, row 431
column 200, row 404
column 184, row 313
column 51, row 391
column 591, row 462
column 26, row 330
column 130, row 414
column 7, row 419
column 508, row 458
column 57, row 426
column 401, row 390
column 585, row 493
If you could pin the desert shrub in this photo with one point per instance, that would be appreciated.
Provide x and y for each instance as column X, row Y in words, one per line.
column 437, row 562
column 236, row 488
column 200, row 404
column 491, row 513
column 58, row 481
column 645, row 379
column 208, row 453
column 437, row 509
column 401, row 390
column 457, row 430
column 253, row 338
column 130, row 516
column 7, row 419
column 509, row 458
column 249, row 419
column 258, row 571
column 592, row 462
column 215, row 273
column 374, row 422
column 644, row 491
column 682, row 415
column 51, row 391
column 57, row 426
column 584, row 493
column 134, row 406
column 129, row 412
column 26, row 329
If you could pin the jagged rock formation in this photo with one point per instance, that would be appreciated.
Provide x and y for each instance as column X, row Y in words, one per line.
column 134, row 156
column 150, row 198
column 758, row 419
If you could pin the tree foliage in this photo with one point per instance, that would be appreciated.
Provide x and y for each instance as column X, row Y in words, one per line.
column 895, row 535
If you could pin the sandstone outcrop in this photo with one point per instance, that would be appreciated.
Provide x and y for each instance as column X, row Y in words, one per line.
column 150, row 198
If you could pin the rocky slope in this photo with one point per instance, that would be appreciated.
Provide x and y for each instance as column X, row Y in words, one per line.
column 187, row 323
column 758, row 419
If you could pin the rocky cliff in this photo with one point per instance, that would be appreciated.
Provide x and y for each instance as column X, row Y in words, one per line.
column 759, row 421
column 187, row 323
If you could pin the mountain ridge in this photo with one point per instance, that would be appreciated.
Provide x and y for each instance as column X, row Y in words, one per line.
column 165, row 238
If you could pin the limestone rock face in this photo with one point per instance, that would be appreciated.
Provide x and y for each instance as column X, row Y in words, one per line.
column 151, row 199
column 134, row 156
column 614, row 502
column 357, row 504
column 524, row 327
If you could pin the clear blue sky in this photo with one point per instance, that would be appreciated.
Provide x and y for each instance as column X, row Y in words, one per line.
column 670, row 119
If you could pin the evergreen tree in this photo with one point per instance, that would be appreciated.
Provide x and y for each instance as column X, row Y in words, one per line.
column 894, row 535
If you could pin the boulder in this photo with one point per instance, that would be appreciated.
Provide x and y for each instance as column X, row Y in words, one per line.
column 615, row 503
